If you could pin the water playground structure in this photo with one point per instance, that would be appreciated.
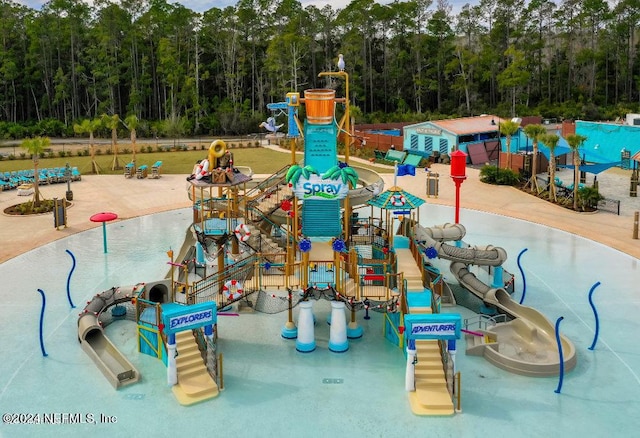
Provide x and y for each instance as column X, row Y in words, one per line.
column 302, row 235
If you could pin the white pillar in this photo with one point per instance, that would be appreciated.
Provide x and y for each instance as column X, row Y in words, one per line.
column 306, row 341
column 410, row 373
column 172, row 370
column 338, row 332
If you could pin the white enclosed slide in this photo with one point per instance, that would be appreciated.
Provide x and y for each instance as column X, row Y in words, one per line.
column 118, row 370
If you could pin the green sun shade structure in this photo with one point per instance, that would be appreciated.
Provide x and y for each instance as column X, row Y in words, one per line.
column 396, row 199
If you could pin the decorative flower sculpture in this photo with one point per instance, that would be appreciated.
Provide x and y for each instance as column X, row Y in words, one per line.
column 431, row 252
column 338, row 245
column 285, row 205
column 304, row 245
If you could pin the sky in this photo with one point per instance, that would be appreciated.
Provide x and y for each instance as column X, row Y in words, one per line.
column 205, row 5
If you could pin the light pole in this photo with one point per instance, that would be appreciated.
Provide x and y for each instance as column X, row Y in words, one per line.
column 458, row 174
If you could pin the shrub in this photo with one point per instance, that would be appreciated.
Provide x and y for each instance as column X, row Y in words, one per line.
column 588, row 198
column 493, row 175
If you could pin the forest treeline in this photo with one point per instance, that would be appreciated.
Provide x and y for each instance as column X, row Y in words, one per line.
column 214, row 73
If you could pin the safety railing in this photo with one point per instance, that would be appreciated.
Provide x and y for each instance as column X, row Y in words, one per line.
column 261, row 187
column 208, row 350
column 212, row 288
column 150, row 314
column 272, row 271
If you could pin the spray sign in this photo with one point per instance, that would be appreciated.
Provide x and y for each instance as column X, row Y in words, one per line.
column 315, row 187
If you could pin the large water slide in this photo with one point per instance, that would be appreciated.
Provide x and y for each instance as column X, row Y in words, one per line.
column 118, row 370
column 526, row 344
column 461, row 257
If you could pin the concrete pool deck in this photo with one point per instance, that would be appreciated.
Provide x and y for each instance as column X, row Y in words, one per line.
column 133, row 197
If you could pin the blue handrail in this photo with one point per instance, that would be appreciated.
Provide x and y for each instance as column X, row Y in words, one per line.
column 524, row 279
column 595, row 314
column 44, row 304
column 559, row 341
column 73, row 259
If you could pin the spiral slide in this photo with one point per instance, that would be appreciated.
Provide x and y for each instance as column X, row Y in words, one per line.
column 113, row 364
column 525, row 345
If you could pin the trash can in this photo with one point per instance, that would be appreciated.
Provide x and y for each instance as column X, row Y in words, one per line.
column 432, row 184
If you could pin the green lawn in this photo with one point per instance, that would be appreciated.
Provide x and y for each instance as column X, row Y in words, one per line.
column 260, row 160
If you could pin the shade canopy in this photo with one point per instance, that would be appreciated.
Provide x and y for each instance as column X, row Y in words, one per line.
column 592, row 168
column 103, row 217
column 600, row 163
column 396, row 199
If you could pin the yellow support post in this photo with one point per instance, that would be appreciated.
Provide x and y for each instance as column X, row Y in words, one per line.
column 220, row 373
column 305, row 270
column 458, row 382
column 293, row 151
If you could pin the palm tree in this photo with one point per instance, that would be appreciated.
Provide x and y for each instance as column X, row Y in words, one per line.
column 508, row 128
column 131, row 123
column 551, row 141
column 174, row 127
column 35, row 146
column 112, row 122
column 575, row 143
column 89, row 127
column 534, row 132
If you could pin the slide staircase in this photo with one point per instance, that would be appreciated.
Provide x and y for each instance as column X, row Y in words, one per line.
column 431, row 396
column 195, row 384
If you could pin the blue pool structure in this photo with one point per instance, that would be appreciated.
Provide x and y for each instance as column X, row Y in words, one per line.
column 272, row 390
column 392, row 132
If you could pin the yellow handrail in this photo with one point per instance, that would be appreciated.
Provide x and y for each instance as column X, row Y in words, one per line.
column 458, row 384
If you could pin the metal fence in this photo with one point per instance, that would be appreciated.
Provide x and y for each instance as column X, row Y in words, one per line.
column 612, row 205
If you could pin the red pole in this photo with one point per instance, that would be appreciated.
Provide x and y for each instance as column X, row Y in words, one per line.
column 458, row 174
column 457, row 181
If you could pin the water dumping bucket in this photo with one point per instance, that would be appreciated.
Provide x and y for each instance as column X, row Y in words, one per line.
column 319, row 105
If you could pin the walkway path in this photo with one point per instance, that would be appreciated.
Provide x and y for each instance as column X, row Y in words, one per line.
column 135, row 197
